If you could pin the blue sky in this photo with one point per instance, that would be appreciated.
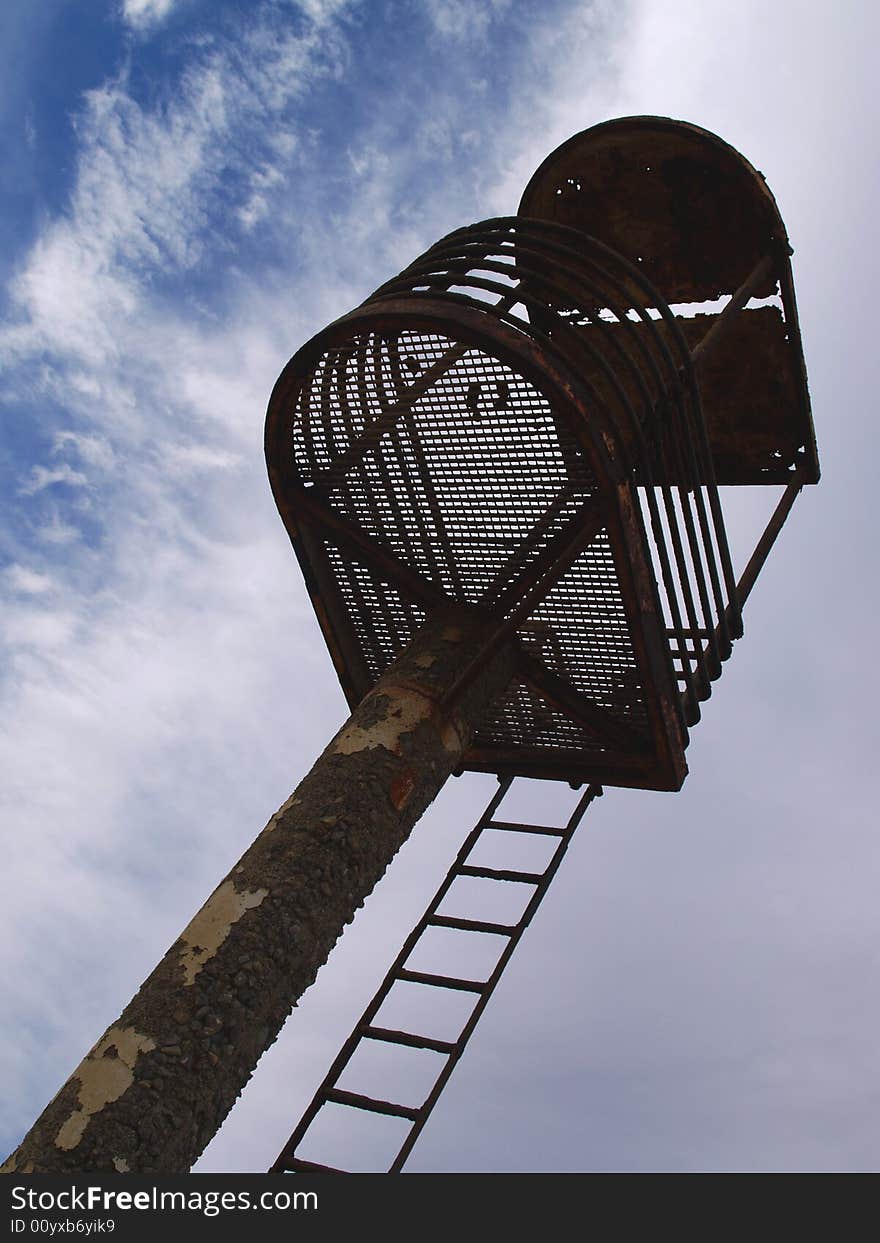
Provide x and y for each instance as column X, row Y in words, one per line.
column 193, row 189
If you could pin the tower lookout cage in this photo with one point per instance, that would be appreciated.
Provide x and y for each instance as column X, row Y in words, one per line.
column 534, row 420
column 501, row 477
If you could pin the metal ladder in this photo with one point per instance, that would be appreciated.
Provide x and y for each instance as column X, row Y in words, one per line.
column 451, row 1050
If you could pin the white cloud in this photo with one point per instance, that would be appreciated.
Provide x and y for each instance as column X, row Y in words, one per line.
column 141, row 14
column 465, row 19
column 147, row 181
column 321, row 12
column 257, row 206
column 188, row 459
column 27, row 581
column 94, row 450
column 41, row 477
column 56, row 532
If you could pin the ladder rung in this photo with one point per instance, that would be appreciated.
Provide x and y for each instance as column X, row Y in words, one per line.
column 470, row 925
column 299, row 1166
column 544, row 829
column 340, row 1097
column 441, row 981
column 407, row 1038
column 530, row 878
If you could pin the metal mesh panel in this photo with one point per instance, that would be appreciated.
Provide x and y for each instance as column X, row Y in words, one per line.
column 468, row 484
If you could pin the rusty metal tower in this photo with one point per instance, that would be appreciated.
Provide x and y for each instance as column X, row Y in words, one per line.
column 501, row 478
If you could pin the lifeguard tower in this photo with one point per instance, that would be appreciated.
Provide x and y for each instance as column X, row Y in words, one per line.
column 503, row 476
column 537, row 420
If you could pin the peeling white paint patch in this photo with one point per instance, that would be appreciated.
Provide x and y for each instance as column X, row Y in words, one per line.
column 273, row 820
column 120, row 1165
column 408, row 708
column 203, row 936
column 452, row 736
column 103, row 1074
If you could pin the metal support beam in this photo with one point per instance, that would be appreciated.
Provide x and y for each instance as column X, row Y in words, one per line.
column 719, row 327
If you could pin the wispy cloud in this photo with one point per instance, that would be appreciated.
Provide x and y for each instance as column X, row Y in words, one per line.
column 27, row 581
column 142, row 14
column 42, row 477
column 464, row 20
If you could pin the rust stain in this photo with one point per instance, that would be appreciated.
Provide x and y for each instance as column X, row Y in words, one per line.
column 401, row 788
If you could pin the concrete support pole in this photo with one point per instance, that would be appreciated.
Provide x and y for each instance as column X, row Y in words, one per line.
column 155, row 1088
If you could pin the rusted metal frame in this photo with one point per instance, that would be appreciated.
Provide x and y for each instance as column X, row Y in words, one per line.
column 637, row 772
column 392, row 1036
column 656, row 404
column 730, row 619
column 537, row 279
column 669, row 390
column 332, row 613
column 721, row 324
column 338, row 617
column 358, row 612
column 371, row 552
column 298, row 1166
column 377, row 429
column 455, row 983
column 541, row 635
column 702, row 468
column 363, row 1024
column 424, row 473
column 589, row 519
column 559, row 568
column 404, row 470
column 706, row 670
column 768, row 538
column 657, row 662
column 538, row 531
column 687, row 472
column 670, row 581
column 331, row 373
column 789, row 304
column 339, row 1096
column 362, row 471
column 568, row 554
column 592, row 792
column 687, row 371
column 324, row 591
column 662, row 704
column 511, row 826
column 578, row 707
column 303, row 400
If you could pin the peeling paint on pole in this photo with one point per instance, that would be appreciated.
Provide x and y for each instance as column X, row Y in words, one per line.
column 156, row 1087
column 104, row 1074
column 204, row 935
